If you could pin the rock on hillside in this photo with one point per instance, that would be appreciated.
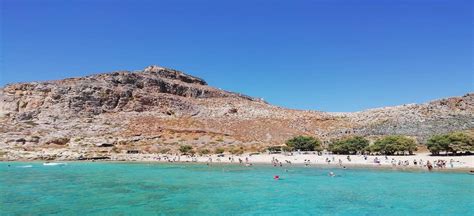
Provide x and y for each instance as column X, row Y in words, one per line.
column 159, row 109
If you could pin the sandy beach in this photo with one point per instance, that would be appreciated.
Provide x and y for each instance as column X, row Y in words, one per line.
column 404, row 162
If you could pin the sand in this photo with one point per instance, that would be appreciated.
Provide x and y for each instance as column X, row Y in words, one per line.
column 458, row 162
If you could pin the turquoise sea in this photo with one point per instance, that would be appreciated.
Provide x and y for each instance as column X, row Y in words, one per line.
column 197, row 189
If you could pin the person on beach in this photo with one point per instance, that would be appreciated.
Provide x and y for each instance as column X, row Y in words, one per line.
column 376, row 160
column 307, row 163
column 430, row 167
column 394, row 162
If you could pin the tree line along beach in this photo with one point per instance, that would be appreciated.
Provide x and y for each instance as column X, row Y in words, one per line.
column 344, row 153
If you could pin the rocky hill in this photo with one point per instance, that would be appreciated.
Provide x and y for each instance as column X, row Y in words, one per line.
column 159, row 109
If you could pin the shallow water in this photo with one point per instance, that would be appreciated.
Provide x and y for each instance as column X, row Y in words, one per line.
column 191, row 189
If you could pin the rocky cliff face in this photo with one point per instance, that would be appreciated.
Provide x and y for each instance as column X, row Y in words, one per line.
column 153, row 89
column 158, row 109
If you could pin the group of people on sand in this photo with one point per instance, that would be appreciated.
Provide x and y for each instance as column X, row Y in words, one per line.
column 399, row 163
column 329, row 159
column 169, row 159
column 276, row 162
column 420, row 163
column 231, row 160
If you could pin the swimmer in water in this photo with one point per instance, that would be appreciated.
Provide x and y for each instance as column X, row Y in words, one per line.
column 332, row 174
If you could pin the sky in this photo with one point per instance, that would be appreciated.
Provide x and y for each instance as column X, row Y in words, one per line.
column 328, row 55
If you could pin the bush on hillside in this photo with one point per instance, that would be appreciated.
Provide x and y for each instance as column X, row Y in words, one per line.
column 219, row 150
column 165, row 151
column 204, row 151
column 185, row 149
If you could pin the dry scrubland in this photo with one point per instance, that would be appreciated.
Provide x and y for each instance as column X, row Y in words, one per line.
column 157, row 110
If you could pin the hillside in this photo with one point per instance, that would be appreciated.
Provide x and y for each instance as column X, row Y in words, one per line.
column 158, row 109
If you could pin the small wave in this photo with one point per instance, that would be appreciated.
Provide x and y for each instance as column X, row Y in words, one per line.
column 54, row 164
column 26, row 166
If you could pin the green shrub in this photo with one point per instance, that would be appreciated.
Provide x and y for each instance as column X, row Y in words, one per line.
column 304, row 143
column 274, row 149
column 236, row 151
column 204, row 151
column 452, row 142
column 391, row 145
column 287, row 149
column 438, row 143
column 219, row 150
column 185, row 149
column 351, row 145
column 165, row 150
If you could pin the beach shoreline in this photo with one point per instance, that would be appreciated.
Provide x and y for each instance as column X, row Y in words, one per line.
column 452, row 163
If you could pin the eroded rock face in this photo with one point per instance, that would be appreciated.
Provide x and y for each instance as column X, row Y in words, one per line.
column 154, row 88
column 159, row 108
column 174, row 74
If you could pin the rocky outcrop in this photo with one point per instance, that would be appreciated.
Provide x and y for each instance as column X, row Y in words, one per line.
column 174, row 74
column 153, row 89
column 419, row 120
column 158, row 109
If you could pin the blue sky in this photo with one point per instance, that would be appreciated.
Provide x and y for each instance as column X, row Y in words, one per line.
column 329, row 55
